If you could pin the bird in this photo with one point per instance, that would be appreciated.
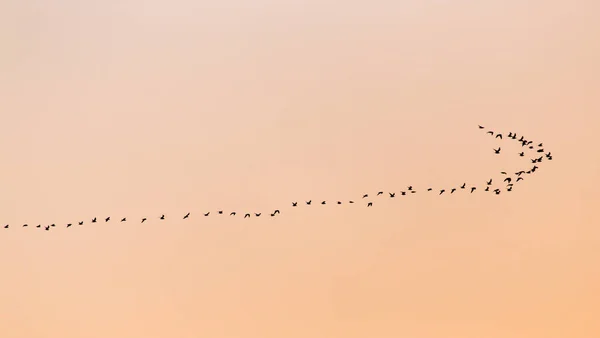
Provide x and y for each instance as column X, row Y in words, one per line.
column 143, row 220
column 162, row 217
column 380, row 193
column 403, row 193
column 487, row 188
column 323, row 202
column 473, row 189
column 508, row 179
column 124, row 219
column 186, row 215
column 519, row 173
column 350, row 201
column 463, row 186
column 497, row 151
column 510, row 134
column 453, row 190
column 38, row 226
column 339, row 202
column 294, row 204
column 94, row 220
column 489, row 182
column 509, row 188
column 308, row 203
column 107, row 219
column 442, row 191
column 410, row 188
column 522, row 154
column 519, row 179
column 52, row 225
column 481, row 127
column 490, row 132
column 47, row 228
column 81, row 223
column 206, row 214
column 497, row 192
column 6, row 226
column 499, row 136
column 25, row 225
column 272, row 215
column 276, row 211
column 540, row 145
column 365, row 195
column 503, row 173
column 257, row 214
column 534, row 160
column 429, row 189
column 232, row 213
column 540, row 150
column 220, row 212
column 246, row 215
column 370, row 204
column 392, row 194
column 68, row 225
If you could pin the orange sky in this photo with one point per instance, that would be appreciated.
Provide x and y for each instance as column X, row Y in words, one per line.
column 138, row 108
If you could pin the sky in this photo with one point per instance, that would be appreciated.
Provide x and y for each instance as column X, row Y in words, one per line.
column 137, row 108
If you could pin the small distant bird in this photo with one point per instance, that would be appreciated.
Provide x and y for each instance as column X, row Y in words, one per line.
column 410, row 187
column 144, row 220
column 232, row 213
column 162, row 217
column 473, row 189
column 186, row 215
column 540, row 150
column 519, row 179
column 487, row 188
column 365, row 195
column 429, row 189
column 68, row 225
column 522, row 154
column 499, row 136
column 510, row 134
column 25, row 225
column 52, row 225
column 490, row 132
column 257, row 214
column 412, row 191
column 272, row 215
column 370, row 204
column 509, row 188
column 350, row 201
column 94, row 220
column 323, row 202
column 497, row 192
column 392, row 194
column 442, row 191
column 503, row 172
column 107, row 219
column 338, row 202
column 497, row 151
column 206, row 214
column 124, row 219
column 294, row 204
column 380, row 193
column 6, row 226
column 47, row 228
column 530, row 147
column 453, row 190
column 38, row 226
column 534, row 160
column 81, row 223
column 508, row 179
column 489, row 182
column 519, row 173
column 276, row 211
column 308, row 203
column 481, row 127
column 246, row 215
column 522, row 139
column 540, row 145
column 463, row 186
column 403, row 193
column 220, row 212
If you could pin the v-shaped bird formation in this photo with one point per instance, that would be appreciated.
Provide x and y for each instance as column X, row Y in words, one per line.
column 538, row 155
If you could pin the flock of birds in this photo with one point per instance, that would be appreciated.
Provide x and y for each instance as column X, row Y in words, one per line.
column 527, row 145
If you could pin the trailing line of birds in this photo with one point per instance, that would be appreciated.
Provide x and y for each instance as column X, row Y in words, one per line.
column 527, row 145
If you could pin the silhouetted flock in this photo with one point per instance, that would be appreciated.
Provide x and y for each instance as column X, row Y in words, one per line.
column 534, row 150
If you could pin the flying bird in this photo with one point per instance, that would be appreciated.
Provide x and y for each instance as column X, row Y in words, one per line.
column 481, row 127
column 519, row 179
column 143, row 220
column 453, row 190
column 220, row 212
column 206, row 214
column 162, row 217
column 473, row 189
column 499, row 136
column 294, row 204
column 68, row 225
column 442, row 191
column 186, row 215
column 508, row 179
column 489, row 182
column 497, row 151
column 380, row 193
column 124, row 219
column 365, row 195
column 392, row 194
column 490, row 132
column 94, row 220
column 410, row 187
column 47, row 228
column 370, row 204
column 308, row 203
column 246, row 215
column 429, row 189
column 257, row 214
column 463, row 186
column 323, row 202
column 276, row 211
column 38, row 226
column 487, row 188
column 25, row 225
column 107, row 219
column 6, row 226
column 232, row 213
column 522, row 154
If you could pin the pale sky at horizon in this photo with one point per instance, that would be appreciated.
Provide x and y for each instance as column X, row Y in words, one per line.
column 141, row 108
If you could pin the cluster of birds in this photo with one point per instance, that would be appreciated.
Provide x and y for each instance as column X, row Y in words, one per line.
column 528, row 145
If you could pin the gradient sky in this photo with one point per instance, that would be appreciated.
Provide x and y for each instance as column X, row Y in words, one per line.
column 138, row 108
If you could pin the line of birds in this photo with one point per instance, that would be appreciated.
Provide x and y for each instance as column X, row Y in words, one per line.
column 409, row 190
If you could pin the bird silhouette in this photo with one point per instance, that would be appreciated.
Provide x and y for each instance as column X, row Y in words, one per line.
column 206, row 214
column 350, row 201
column 503, row 173
column 25, row 225
column 124, row 219
column 490, row 132
column 107, row 219
column 429, row 189
column 272, row 215
column 508, row 179
column 403, row 193
column 246, row 215
column 522, row 154
column 497, row 151
column 68, row 225
column 232, row 213
column 519, row 178
column 276, row 211
column 509, row 188
column 481, row 127
column 453, row 190
column 540, row 150
column 463, row 186
column 489, row 182
column 308, row 203
column 338, row 202
column 186, row 215
column 323, row 202
column 540, row 145
column 370, row 204
column 94, row 220
column 294, row 204
column 162, row 217
column 47, row 228
column 6, row 226
column 499, row 136
column 473, row 189
column 365, row 195
column 38, row 226
column 52, row 225
column 380, row 193
column 257, row 214
column 143, row 220
column 442, row 191
column 392, row 194
column 220, row 212
column 410, row 188
column 487, row 188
